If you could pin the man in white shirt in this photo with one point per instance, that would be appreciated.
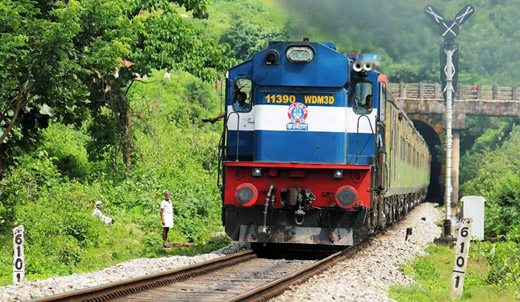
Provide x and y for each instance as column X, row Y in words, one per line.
column 166, row 216
column 99, row 213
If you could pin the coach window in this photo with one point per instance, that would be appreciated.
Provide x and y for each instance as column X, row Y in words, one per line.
column 242, row 98
column 363, row 98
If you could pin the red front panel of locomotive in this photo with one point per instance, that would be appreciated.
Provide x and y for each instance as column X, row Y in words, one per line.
column 343, row 186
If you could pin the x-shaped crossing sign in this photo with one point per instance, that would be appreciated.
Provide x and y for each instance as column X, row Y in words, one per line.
column 433, row 14
column 449, row 29
column 464, row 14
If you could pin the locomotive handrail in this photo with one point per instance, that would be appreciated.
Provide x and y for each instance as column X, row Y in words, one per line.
column 357, row 133
column 266, row 205
column 238, row 129
column 222, row 154
column 222, row 142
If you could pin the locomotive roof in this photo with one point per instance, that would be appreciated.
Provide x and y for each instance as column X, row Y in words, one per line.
column 326, row 67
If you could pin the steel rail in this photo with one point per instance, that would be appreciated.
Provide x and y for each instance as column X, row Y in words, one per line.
column 131, row 286
column 277, row 287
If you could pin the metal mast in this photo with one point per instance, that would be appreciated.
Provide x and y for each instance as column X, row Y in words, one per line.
column 449, row 71
column 449, row 30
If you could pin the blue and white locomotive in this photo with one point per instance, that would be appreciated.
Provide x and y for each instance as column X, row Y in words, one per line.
column 315, row 150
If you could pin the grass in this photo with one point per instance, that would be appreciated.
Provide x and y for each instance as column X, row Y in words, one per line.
column 433, row 276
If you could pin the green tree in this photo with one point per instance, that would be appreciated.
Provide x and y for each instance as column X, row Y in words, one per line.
column 247, row 38
column 39, row 81
column 61, row 59
column 134, row 38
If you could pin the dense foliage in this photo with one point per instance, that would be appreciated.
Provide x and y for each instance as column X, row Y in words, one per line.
column 491, row 168
column 40, row 73
column 247, row 26
column 64, row 58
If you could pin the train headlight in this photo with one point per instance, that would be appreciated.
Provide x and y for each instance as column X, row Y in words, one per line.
column 337, row 174
column 346, row 196
column 246, row 194
column 358, row 66
column 300, row 54
column 256, row 172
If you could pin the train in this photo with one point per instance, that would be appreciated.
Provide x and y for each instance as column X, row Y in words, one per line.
column 314, row 149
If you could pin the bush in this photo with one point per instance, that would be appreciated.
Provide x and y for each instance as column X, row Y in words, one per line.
column 68, row 147
column 23, row 184
column 498, row 180
column 504, row 259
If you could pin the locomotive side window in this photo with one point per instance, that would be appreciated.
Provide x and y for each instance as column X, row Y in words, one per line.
column 363, row 98
column 242, row 98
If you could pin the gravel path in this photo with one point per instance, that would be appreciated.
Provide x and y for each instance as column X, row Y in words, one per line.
column 366, row 277
column 370, row 273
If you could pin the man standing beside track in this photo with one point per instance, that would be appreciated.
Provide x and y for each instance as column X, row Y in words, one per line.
column 166, row 216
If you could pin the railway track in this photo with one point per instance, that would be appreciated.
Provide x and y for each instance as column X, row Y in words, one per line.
column 114, row 290
column 239, row 277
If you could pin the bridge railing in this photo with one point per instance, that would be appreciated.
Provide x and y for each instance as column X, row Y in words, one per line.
column 427, row 91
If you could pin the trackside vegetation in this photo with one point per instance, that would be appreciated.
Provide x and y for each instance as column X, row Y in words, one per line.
column 497, row 178
column 52, row 190
column 433, row 273
column 490, row 168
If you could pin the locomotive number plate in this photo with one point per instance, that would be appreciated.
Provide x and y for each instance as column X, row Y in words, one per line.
column 280, row 99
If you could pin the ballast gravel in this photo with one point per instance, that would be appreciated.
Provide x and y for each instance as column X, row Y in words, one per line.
column 368, row 275
column 365, row 277
column 125, row 270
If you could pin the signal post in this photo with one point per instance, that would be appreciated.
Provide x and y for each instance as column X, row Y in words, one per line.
column 449, row 30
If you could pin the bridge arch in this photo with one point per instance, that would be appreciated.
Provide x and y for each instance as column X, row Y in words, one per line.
column 436, row 187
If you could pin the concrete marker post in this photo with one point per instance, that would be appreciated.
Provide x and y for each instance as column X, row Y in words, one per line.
column 18, row 254
column 461, row 259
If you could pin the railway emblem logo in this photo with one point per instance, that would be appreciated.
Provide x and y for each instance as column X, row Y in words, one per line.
column 297, row 113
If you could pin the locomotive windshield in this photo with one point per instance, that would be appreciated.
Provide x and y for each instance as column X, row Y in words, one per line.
column 242, row 95
column 363, row 98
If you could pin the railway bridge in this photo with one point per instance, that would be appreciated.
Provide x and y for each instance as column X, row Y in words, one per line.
column 424, row 104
